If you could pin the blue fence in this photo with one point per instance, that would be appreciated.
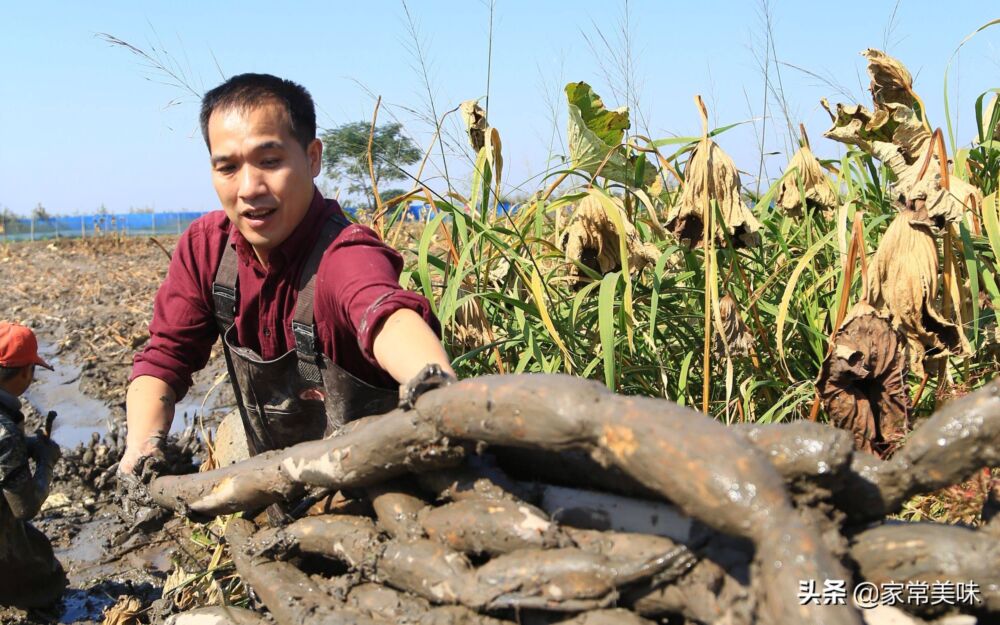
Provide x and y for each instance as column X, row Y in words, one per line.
column 149, row 224
column 91, row 225
column 422, row 210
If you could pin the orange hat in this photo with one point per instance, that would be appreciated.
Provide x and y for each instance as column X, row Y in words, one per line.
column 19, row 347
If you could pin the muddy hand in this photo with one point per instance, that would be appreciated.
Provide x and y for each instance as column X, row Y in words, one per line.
column 135, row 507
column 429, row 378
column 43, row 449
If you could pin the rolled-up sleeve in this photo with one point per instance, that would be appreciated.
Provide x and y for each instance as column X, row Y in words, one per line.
column 183, row 328
column 359, row 279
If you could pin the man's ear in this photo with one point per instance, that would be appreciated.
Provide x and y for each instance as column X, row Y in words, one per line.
column 315, row 154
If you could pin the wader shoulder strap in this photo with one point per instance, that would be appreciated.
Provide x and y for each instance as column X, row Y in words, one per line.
column 303, row 323
column 224, row 302
column 224, row 289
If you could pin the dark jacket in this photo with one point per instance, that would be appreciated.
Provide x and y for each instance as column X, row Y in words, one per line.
column 30, row 575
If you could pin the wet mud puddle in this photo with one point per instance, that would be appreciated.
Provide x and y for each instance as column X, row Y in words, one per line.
column 59, row 390
column 80, row 416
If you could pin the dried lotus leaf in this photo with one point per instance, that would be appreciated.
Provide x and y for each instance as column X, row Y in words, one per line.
column 735, row 333
column 592, row 240
column 909, row 133
column 805, row 168
column 891, row 81
column 712, row 175
column 896, row 125
column 897, row 136
column 903, row 283
column 943, row 206
column 899, row 139
column 863, row 381
column 471, row 327
column 126, row 611
column 475, row 123
column 494, row 153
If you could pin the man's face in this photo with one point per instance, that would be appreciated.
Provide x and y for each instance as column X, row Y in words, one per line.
column 261, row 173
column 23, row 380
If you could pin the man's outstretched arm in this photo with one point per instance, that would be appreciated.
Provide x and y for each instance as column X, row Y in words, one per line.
column 181, row 334
column 26, row 494
column 149, row 408
column 405, row 344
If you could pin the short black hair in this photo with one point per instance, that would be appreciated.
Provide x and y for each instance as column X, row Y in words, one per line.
column 247, row 91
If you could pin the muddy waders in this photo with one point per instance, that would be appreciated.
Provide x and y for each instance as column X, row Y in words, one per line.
column 301, row 395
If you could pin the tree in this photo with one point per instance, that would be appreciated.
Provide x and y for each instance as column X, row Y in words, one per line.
column 40, row 213
column 7, row 219
column 345, row 155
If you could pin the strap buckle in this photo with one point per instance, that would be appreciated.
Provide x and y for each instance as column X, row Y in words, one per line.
column 224, row 298
column 305, row 340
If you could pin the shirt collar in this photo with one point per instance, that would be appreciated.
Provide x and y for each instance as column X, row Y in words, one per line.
column 302, row 238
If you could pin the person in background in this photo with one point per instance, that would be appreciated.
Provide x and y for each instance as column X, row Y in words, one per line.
column 30, row 575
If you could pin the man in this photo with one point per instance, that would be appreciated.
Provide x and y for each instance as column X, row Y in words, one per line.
column 30, row 575
column 315, row 327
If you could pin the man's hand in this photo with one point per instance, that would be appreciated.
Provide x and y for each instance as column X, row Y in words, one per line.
column 43, row 449
column 149, row 407
column 152, row 447
column 135, row 507
column 430, row 377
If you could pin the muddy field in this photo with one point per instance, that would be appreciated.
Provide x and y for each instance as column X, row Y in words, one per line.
column 89, row 301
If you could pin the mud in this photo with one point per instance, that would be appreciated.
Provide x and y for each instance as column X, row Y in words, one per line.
column 89, row 301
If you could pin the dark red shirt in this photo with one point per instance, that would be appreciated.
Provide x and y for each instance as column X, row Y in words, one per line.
column 357, row 287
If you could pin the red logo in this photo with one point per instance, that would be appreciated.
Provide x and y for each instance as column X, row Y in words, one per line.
column 312, row 394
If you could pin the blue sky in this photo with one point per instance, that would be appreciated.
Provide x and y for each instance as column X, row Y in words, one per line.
column 83, row 123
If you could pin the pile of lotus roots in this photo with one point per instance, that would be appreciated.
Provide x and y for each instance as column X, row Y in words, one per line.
column 549, row 499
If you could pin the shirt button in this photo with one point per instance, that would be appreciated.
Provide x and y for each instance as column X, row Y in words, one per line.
column 267, row 331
